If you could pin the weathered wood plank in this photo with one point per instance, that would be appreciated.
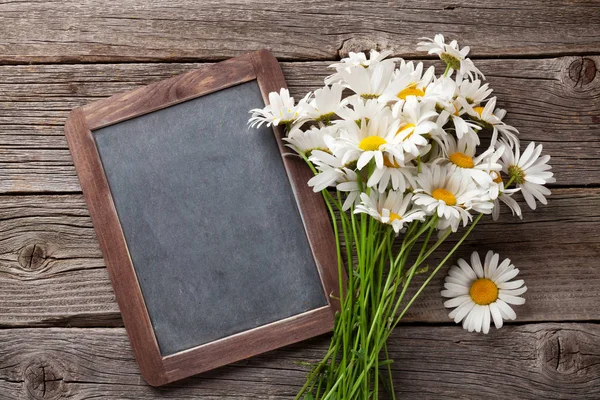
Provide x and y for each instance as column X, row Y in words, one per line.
column 91, row 31
column 554, row 101
column 52, row 272
column 550, row 361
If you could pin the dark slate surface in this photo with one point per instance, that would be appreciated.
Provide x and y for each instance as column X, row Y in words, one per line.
column 210, row 219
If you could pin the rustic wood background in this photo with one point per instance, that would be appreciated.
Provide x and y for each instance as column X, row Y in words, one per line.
column 61, row 331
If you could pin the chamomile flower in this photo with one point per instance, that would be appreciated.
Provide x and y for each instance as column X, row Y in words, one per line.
column 351, row 184
column 472, row 91
column 401, row 176
column 324, row 104
column 482, row 293
column 391, row 208
column 416, row 122
column 460, row 155
column 498, row 193
column 490, row 117
column 280, row 110
column 408, row 81
column 451, row 54
column 444, row 192
column 305, row 142
column 359, row 60
column 463, row 129
column 366, row 82
column 330, row 167
column 368, row 141
column 358, row 109
column 529, row 172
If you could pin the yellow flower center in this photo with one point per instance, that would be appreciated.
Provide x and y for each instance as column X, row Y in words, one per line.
column 498, row 178
column 478, row 110
column 394, row 216
column 406, row 128
column 444, row 195
column 390, row 164
column 410, row 90
column 483, row 292
column 371, row 143
column 462, row 160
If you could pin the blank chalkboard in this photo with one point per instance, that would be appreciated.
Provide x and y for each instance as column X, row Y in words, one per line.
column 215, row 246
column 209, row 218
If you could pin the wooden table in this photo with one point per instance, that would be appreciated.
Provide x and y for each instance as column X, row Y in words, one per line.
column 62, row 335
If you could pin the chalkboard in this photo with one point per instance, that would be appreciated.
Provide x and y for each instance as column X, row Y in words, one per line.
column 209, row 218
column 216, row 247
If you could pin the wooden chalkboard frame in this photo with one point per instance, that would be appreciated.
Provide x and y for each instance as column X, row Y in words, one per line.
column 158, row 369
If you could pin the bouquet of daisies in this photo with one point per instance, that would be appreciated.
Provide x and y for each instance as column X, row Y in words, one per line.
column 407, row 158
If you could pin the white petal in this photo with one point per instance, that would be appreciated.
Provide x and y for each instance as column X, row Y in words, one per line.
column 496, row 316
column 476, row 264
column 506, row 311
column 486, row 320
column 511, row 299
column 457, row 301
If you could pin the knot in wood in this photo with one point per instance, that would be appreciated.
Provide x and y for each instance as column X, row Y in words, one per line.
column 582, row 71
column 565, row 357
column 357, row 45
column 44, row 379
column 32, row 256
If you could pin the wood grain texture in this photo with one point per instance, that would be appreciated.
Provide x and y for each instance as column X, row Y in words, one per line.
column 549, row 361
column 137, row 30
column 555, row 101
column 52, row 272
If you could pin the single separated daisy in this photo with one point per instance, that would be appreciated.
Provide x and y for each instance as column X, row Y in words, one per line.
column 451, row 54
column 391, row 208
column 281, row 110
column 529, row 172
column 483, row 293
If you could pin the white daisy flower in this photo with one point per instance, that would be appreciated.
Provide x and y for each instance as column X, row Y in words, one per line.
column 358, row 109
column 366, row 82
column 350, row 184
column 442, row 91
column 463, row 129
column 529, row 172
column 324, row 104
column 480, row 294
column 305, row 142
column 408, row 81
column 330, row 170
column 392, row 209
column 489, row 118
column 460, row 154
column 416, row 122
column 333, row 173
column 280, row 110
column 442, row 191
column 498, row 193
column 400, row 175
column 451, row 54
column 368, row 141
column 360, row 60
column 472, row 91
